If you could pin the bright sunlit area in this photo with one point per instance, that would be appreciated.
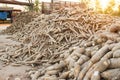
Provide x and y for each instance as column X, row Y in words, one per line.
column 105, row 5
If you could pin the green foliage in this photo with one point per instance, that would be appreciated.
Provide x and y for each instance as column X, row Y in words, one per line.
column 35, row 7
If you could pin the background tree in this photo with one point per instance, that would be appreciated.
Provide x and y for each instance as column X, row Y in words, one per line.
column 30, row 7
column 35, row 7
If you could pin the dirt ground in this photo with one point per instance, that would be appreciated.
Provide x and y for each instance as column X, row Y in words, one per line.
column 9, row 72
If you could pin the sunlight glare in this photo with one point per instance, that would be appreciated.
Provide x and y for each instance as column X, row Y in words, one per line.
column 104, row 4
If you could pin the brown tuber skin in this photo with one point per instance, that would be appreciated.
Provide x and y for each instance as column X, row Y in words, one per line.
column 116, row 54
column 88, row 44
column 107, row 55
column 108, row 35
column 114, row 28
column 70, row 62
column 64, row 75
column 117, row 46
column 52, row 72
column 114, row 46
column 82, row 59
column 71, row 59
column 71, row 75
column 93, row 53
column 111, row 46
column 77, row 69
column 99, row 54
column 78, row 51
column 114, row 63
column 36, row 75
column 88, row 52
column 57, row 66
column 95, row 75
column 84, row 70
column 49, row 78
column 100, row 66
column 112, row 74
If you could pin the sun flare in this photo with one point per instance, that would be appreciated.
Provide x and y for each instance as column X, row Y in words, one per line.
column 104, row 4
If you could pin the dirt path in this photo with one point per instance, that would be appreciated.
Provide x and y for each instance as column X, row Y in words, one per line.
column 8, row 72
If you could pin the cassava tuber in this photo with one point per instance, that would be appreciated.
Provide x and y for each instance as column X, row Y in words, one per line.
column 114, row 63
column 52, row 72
column 96, row 76
column 82, row 59
column 112, row 74
column 76, row 70
column 64, row 75
column 114, row 28
column 100, row 66
column 116, row 54
column 84, row 70
column 100, row 53
column 107, row 55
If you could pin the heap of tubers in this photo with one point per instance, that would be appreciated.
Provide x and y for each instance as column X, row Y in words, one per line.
column 19, row 21
column 70, row 44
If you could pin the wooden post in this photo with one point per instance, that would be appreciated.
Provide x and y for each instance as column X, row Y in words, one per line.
column 52, row 5
column 42, row 7
column 11, row 16
column 70, row 4
column 65, row 3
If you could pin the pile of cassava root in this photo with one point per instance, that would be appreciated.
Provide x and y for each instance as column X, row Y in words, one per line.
column 20, row 21
column 70, row 44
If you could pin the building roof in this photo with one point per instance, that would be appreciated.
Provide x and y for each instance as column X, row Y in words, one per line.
column 6, row 8
column 15, row 2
